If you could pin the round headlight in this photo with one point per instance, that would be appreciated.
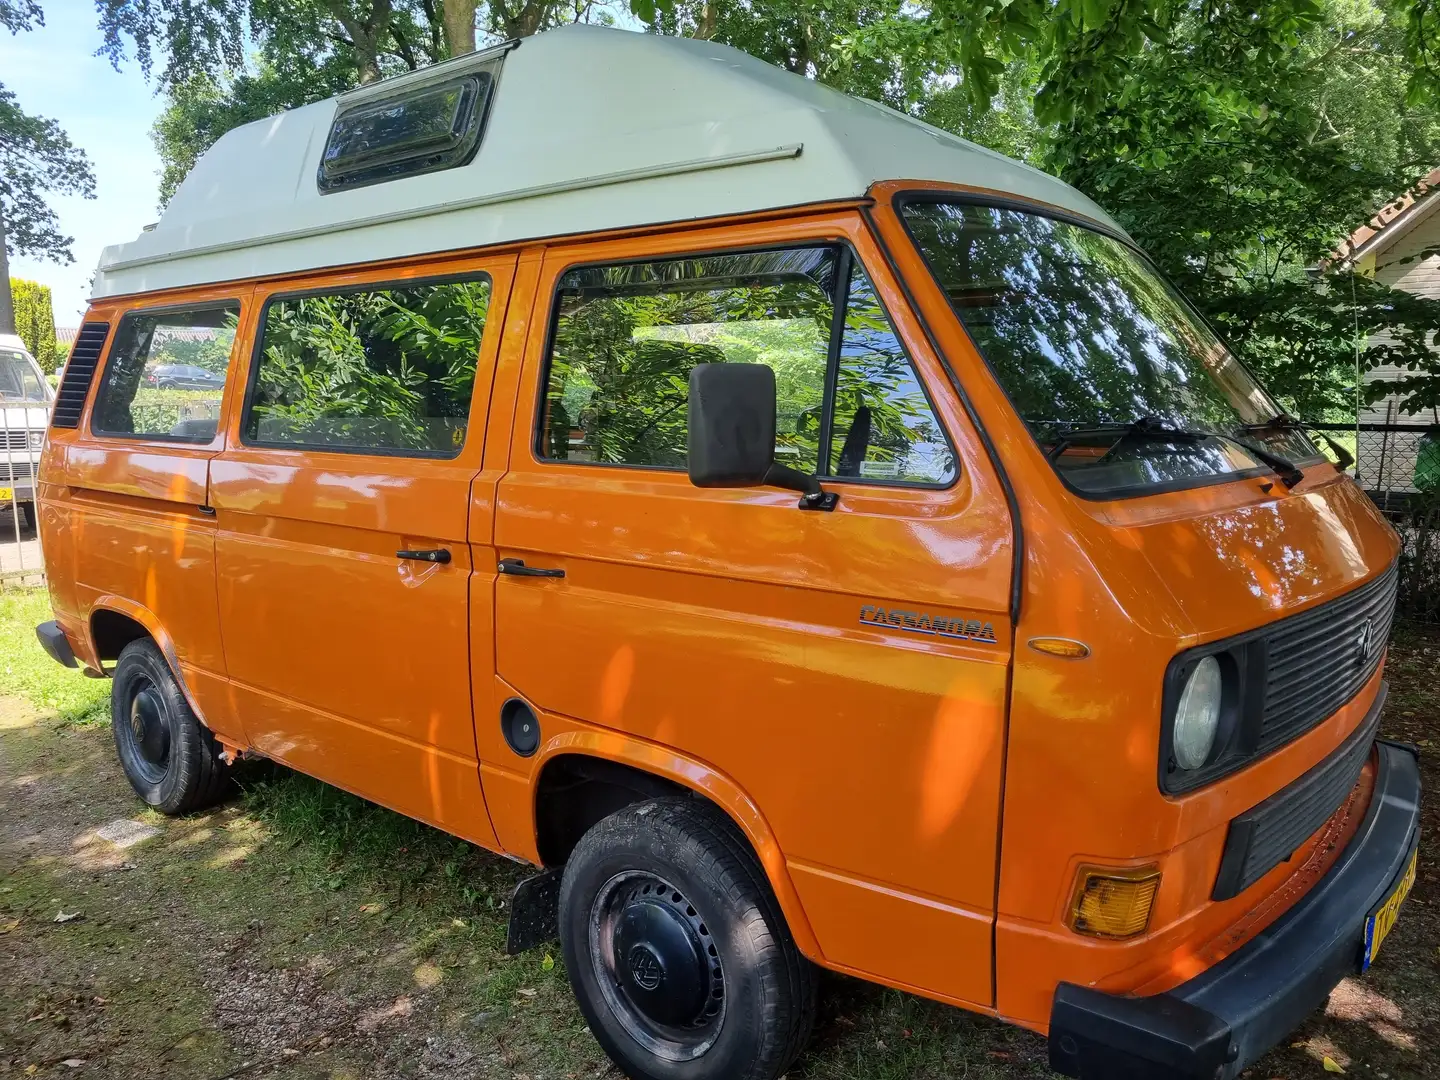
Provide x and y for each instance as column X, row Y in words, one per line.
column 1197, row 717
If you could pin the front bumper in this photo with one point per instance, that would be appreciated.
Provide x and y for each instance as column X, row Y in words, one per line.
column 1221, row 1021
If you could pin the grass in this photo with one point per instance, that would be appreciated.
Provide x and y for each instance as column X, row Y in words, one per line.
column 290, row 917
column 27, row 672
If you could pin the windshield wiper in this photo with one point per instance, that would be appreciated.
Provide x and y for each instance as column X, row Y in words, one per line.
column 1285, row 422
column 1155, row 428
column 1147, row 427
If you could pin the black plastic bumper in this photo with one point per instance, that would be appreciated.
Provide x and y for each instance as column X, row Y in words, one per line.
column 1222, row 1020
column 54, row 642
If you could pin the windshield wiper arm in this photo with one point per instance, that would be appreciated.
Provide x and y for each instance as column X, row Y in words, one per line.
column 1285, row 422
column 1153, row 427
column 1147, row 427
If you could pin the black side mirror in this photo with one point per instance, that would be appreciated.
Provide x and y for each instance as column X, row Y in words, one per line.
column 731, row 437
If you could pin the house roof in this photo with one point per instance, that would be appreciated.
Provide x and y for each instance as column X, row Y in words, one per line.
column 589, row 128
column 1394, row 220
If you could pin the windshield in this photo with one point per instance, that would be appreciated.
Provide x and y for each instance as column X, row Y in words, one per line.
column 20, row 379
column 1123, row 386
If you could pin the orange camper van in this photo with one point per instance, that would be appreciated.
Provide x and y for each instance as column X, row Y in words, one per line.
column 810, row 539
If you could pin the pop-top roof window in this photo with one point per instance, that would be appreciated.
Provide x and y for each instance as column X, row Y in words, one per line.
column 431, row 127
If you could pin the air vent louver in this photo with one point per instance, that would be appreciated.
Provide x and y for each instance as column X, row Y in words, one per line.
column 79, row 374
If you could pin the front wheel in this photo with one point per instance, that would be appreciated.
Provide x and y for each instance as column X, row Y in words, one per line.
column 677, row 950
column 170, row 758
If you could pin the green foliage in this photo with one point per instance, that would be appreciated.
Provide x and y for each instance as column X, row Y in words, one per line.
column 1239, row 169
column 36, row 159
column 389, row 368
column 160, row 410
column 35, row 321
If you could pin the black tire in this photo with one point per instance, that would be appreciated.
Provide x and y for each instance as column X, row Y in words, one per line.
column 688, row 888
column 28, row 510
column 170, row 758
column 166, row 386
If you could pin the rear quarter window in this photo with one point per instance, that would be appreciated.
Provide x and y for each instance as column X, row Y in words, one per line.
column 142, row 397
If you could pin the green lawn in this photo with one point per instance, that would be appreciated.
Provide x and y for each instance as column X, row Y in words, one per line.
column 27, row 672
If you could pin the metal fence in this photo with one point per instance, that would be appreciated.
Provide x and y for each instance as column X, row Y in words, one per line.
column 22, row 435
column 1398, row 465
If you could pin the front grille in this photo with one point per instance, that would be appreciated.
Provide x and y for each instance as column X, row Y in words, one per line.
column 1318, row 660
column 1266, row 835
column 21, row 472
column 14, row 440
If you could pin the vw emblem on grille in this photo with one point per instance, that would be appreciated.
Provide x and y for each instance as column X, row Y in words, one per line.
column 1364, row 642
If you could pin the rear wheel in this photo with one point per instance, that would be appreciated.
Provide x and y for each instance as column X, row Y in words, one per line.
column 170, row 758
column 677, row 950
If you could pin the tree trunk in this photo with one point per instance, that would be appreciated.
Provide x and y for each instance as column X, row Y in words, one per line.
column 7, row 302
column 459, row 20
column 705, row 26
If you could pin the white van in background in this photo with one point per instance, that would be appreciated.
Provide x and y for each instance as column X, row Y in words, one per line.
column 25, row 399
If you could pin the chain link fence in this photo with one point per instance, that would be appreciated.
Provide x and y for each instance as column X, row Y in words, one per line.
column 1398, row 465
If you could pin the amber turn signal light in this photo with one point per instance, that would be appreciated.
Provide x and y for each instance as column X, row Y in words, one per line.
column 1113, row 902
column 1068, row 648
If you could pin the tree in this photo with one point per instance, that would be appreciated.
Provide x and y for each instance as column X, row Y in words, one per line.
column 35, row 321
column 1241, row 168
column 36, row 159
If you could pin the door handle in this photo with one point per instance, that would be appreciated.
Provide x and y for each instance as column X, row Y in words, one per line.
column 434, row 555
column 517, row 568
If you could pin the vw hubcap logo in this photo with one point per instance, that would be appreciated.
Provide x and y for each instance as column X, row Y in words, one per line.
column 645, row 968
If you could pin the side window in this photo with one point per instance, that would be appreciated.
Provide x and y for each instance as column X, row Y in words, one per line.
column 165, row 375
column 625, row 337
column 884, row 427
column 387, row 368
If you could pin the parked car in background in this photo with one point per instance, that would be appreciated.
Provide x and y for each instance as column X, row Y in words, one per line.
column 183, row 377
column 25, row 399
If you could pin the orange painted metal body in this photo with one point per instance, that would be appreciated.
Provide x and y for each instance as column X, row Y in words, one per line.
column 920, row 804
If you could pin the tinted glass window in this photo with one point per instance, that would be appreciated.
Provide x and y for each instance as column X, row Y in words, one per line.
column 884, row 428
column 626, row 336
column 139, row 397
column 1122, row 385
column 384, row 369
column 19, row 378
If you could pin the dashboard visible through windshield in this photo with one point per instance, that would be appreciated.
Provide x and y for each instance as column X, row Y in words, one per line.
column 1124, row 387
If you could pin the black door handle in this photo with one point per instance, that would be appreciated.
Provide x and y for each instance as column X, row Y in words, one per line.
column 436, row 555
column 517, row 568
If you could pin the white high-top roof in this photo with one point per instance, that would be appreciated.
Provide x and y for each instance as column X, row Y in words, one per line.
column 589, row 128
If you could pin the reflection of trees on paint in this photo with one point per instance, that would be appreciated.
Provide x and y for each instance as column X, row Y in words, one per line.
column 626, row 338
column 385, row 368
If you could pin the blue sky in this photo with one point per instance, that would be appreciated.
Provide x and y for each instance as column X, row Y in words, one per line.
column 53, row 71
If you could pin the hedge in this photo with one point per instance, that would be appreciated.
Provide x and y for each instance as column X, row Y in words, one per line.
column 35, row 321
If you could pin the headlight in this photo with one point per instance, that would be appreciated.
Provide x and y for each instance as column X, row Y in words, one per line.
column 1197, row 716
column 37, row 440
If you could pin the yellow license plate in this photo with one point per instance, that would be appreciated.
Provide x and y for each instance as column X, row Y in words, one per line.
column 7, row 494
column 1379, row 925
